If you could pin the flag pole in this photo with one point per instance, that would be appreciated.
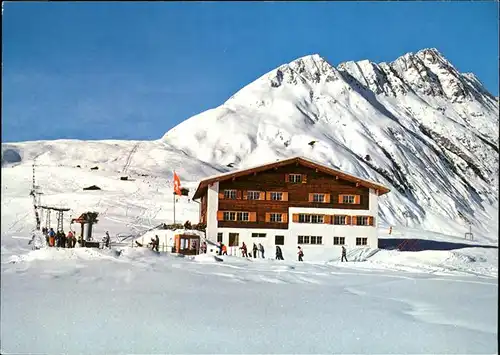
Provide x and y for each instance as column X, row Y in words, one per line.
column 174, row 205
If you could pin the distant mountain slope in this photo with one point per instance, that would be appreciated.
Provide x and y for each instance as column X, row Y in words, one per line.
column 416, row 124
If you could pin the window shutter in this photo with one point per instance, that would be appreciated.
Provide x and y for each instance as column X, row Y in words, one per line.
column 252, row 216
column 245, row 195
column 295, row 218
column 238, row 195
column 220, row 215
column 304, row 178
column 327, row 198
column 221, row 195
column 285, row 196
column 268, row 217
column 268, row 195
column 354, row 220
column 284, row 217
column 348, row 220
column 262, row 195
column 287, row 177
column 327, row 219
column 311, row 197
column 357, row 199
column 340, row 198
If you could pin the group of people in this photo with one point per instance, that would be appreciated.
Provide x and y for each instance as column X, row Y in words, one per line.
column 255, row 250
column 59, row 239
column 279, row 252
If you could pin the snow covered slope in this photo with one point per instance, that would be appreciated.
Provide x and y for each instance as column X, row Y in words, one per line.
column 416, row 124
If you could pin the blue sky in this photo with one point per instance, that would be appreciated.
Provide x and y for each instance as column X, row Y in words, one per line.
column 123, row 70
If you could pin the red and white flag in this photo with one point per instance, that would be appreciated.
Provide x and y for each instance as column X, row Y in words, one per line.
column 177, row 185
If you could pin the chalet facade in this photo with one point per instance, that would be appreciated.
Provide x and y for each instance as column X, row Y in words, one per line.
column 292, row 202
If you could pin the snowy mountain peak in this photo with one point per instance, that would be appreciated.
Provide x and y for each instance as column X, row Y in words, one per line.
column 416, row 125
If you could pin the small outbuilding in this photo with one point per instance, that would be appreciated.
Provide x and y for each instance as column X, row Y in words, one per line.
column 187, row 244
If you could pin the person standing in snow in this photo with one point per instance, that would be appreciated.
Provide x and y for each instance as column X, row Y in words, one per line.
column 63, row 239
column 224, row 249
column 69, row 239
column 279, row 253
column 58, row 239
column 254, row 249
column 261, row 249
column 52, row 237
column 204, row 247
column 157, row 243
column 344, row 256
column 300, row 253
column 106, row 240
column 244, row 250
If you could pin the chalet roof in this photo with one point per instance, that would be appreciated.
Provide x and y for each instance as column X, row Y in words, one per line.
column 300, row 160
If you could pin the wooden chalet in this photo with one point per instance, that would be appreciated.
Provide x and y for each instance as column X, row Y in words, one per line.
column 291, row 202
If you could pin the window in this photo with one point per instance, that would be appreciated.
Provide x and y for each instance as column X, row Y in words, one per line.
column 279, row 240
column 311, row 218
column 303, row 239
column 230, row 194
column 338, row 240
column 219, row 237
column 348, row 199
column 361, row 241
column 340, row 219
column 277, row 196
column 234, row 239
column 276, row 217
column 253, row 195
column 306, row 239
column 295, row 178
column 304, row 218
column 258, row 235
column 229, row 216
column 317, row 218
column 242, row 216
column 362, row 221
column 316, row 240
column 318, row 197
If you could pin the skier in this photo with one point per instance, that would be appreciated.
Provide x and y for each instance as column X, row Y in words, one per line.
column 300, row 253
column 106, row 240
column 244, row 250
column 62, row 239
column 261, row 249
column 52, row 237
column 157, row 243
column 343, row 254
column 279, row 254
column 69, row 239
column 254, row 249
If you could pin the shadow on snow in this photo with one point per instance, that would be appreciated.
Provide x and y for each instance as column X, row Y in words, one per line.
column 424, row 244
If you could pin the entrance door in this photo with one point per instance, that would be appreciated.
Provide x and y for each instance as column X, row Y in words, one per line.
column 234, row 239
